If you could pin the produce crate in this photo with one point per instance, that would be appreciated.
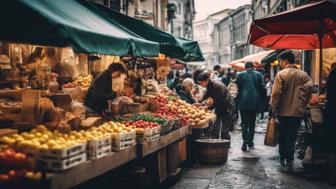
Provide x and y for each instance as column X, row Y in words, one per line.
column 149, row 134
column 177, row 123
column 121, row 137
column 96, row 144
column 155, row 137
column 167, row 127
column 101, row 152
column 156, row 130
column 120, row 145
column 99, row 147
column 61, row 164
column 63, row 153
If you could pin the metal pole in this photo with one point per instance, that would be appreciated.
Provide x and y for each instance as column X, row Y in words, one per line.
column 321, row 59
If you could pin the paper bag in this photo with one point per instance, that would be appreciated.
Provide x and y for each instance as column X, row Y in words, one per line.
column 271, row 133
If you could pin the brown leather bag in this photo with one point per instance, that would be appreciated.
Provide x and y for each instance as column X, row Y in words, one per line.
column 271, row 133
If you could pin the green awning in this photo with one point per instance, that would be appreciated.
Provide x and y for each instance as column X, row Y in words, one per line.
column 170, row 45
column 69, row 22
column 194, row 53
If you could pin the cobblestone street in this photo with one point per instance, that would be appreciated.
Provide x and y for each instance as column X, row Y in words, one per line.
column 258, row 168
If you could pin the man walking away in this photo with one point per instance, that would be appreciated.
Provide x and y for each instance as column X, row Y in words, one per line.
column 251, row 88
column 290, row 95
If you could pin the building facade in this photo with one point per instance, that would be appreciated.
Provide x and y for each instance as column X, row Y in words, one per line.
column 203, row 33
column 241, row 22
column 153, row 12
column 182, row 24
column 113, row 4
column 221, row 37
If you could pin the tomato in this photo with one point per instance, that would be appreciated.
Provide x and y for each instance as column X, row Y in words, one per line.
column 12, row 174
column 4, row 178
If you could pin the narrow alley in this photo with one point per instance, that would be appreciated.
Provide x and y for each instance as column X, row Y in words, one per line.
column 258, row 168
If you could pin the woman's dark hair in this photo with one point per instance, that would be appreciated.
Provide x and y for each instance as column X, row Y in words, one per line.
column 267, row 76
column 287, row 55
column 177, row 74
column 117, row 67
column 217, row 68
column 203, row 76
column 37, row 53
column 196, row 73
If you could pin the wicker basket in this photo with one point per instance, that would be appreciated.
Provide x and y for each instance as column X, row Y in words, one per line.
column 134, row 108
column 153, row 106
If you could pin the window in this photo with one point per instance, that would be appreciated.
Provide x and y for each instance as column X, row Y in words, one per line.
column 179, row 8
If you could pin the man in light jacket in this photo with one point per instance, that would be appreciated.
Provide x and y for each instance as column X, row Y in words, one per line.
column 290, row 95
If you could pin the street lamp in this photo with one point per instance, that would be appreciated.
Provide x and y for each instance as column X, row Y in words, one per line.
column 171, row 9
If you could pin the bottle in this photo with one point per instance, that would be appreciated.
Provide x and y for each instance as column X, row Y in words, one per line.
column 53, row 85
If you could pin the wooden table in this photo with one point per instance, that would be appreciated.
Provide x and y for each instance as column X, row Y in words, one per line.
column 90, row 169
column 147, row 148
column 94, row 168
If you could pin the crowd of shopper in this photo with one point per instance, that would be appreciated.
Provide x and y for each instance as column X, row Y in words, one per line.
column 251, row 93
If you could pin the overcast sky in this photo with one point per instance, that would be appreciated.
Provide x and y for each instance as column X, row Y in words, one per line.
column 207, row 7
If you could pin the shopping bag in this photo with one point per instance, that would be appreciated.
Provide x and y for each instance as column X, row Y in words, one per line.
column 271, row 133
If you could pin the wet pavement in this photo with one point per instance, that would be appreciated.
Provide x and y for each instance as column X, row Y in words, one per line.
column 254, row 169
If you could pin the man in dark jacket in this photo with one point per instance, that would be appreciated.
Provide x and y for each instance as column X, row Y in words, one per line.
column 222, row 103
column 331, row 120
column 251, row 87
column 100, row 90
column 331, row 101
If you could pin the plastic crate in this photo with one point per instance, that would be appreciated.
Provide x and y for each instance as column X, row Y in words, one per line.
column 155, row 131
column 103, row 151
column 120, row 145
column 155, row 137
column 63, row 153
column 61, row 164
column 97, row 144
column 122, row 137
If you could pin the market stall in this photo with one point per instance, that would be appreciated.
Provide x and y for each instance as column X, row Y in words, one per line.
column 48, row 137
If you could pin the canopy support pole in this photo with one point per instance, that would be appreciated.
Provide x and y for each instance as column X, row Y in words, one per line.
column 320, row 36
column 321, row 60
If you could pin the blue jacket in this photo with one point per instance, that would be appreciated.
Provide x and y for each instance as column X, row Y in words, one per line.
column 251, row 90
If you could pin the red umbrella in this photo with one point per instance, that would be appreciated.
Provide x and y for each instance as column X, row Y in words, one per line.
column 308, row 27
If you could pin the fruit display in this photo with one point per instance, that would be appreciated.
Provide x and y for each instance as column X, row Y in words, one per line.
column 112, row 127
column 148, row 118
column 160, row 100
column 322, row 98
column 41, row 138
column 15, row 166
column 81, row 81
column 314, row 101
column 317, row 99
column 11, row 159
column 141, row 124
column 14, row 176
column 192, row 114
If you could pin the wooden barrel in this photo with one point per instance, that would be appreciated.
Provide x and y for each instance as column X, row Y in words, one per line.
column 212, row 151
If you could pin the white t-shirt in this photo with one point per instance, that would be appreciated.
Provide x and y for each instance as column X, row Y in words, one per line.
column 269, row 88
